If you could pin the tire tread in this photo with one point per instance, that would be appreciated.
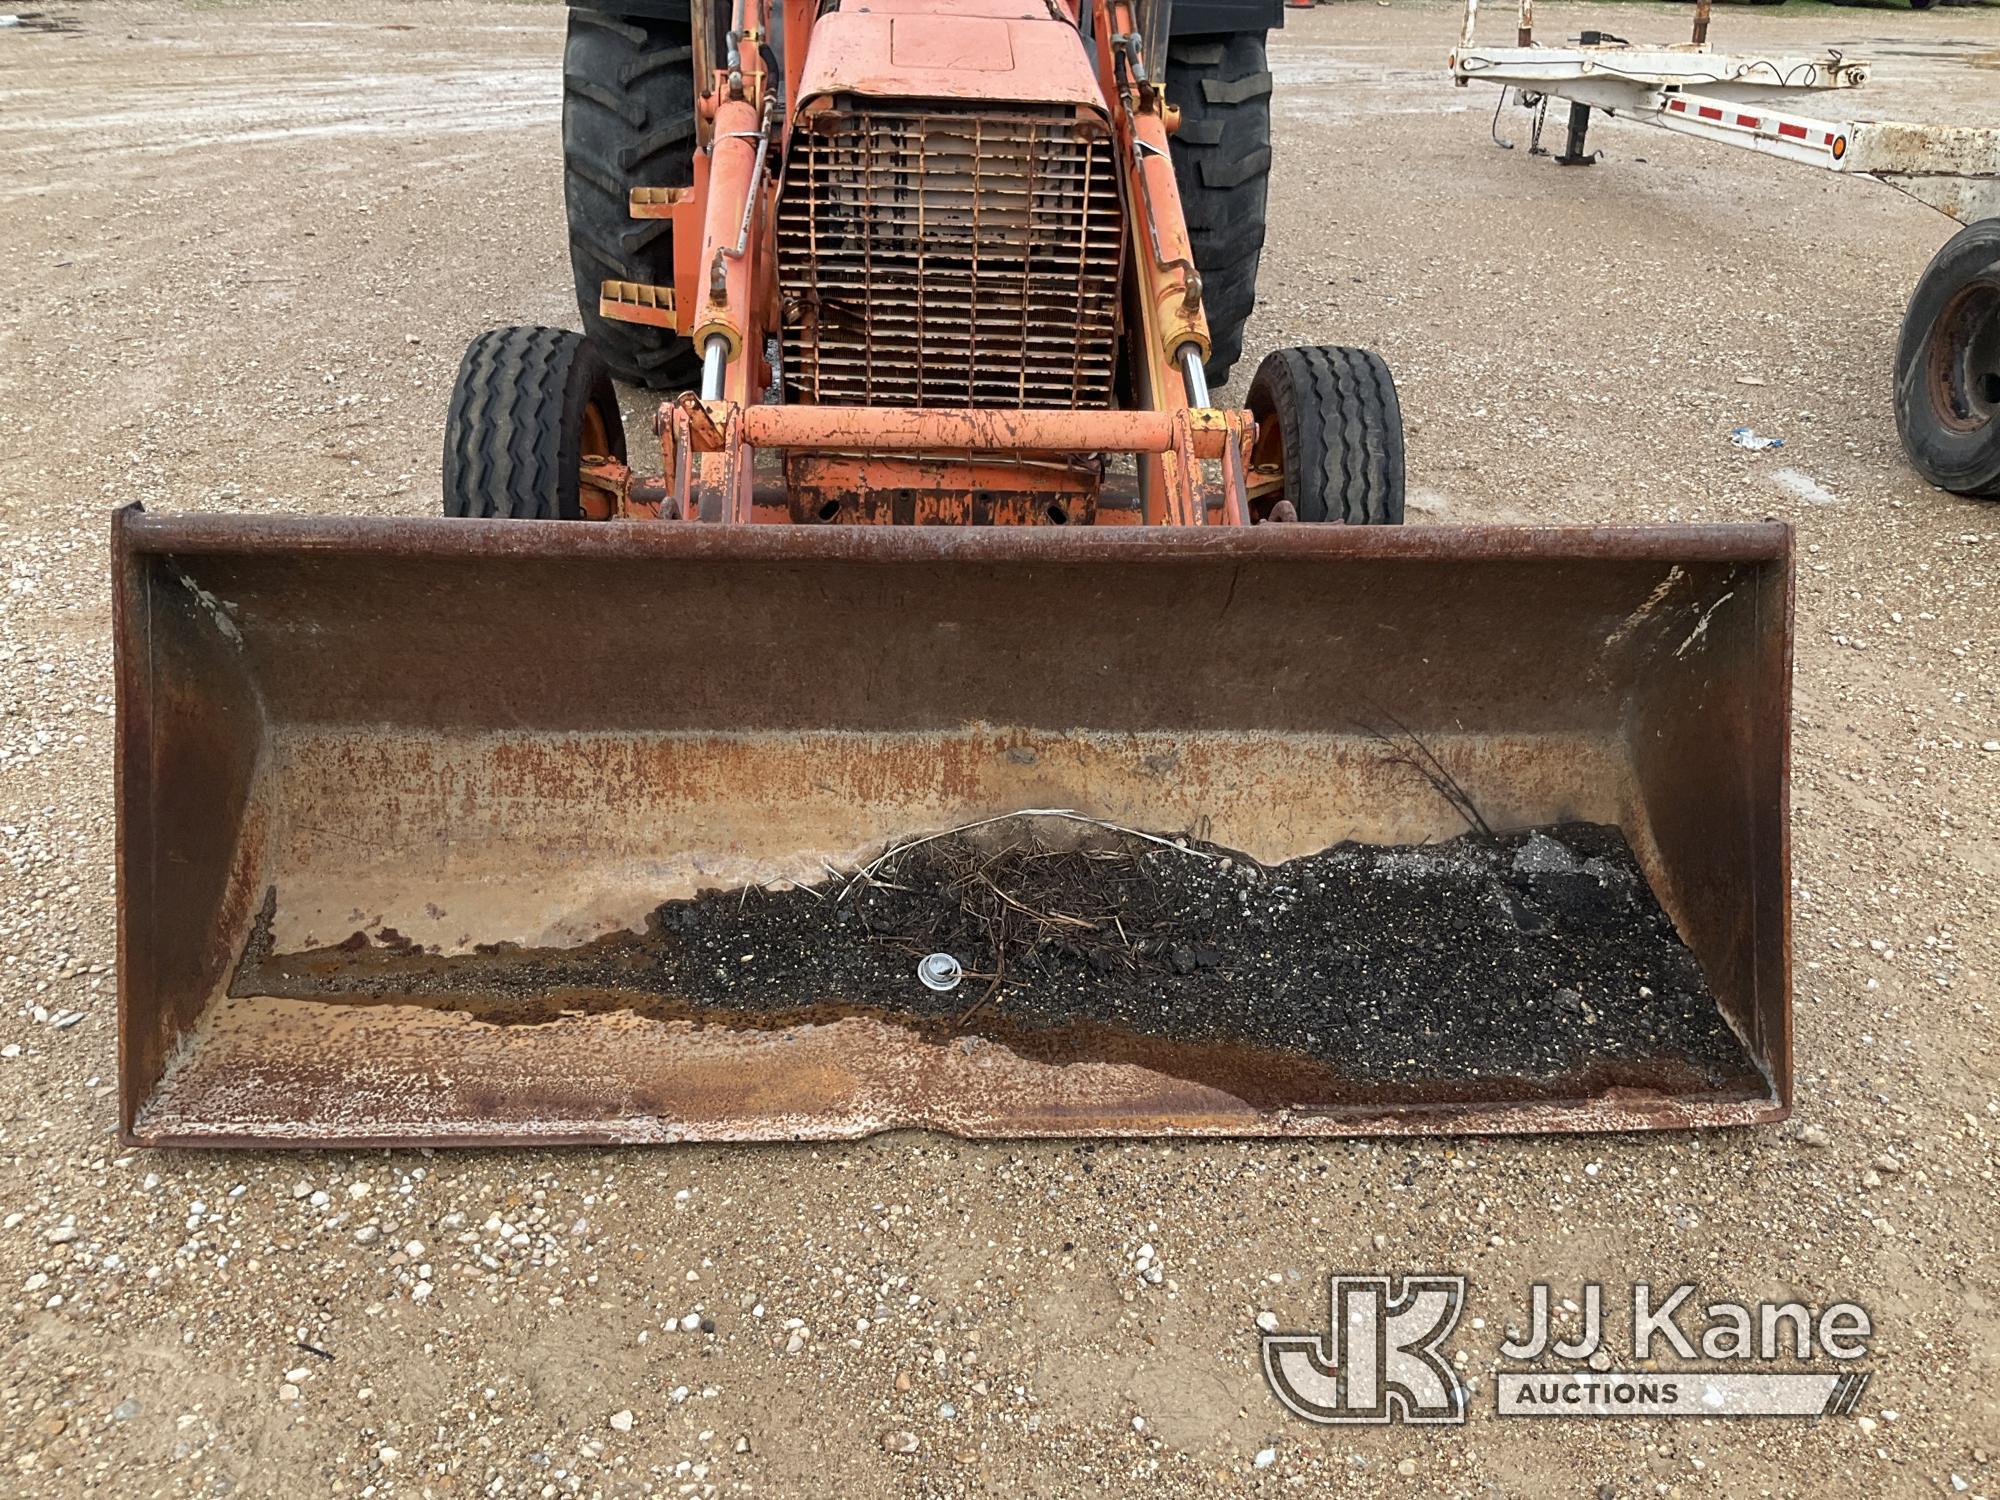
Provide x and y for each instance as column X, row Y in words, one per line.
column 628, row 121
column 1222, row 164
column 512, row 432
column 1341, row 427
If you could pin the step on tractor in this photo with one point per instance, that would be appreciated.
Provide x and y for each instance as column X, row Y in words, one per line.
column 628, row 800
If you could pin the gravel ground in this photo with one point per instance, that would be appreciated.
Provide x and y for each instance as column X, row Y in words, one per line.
column 242, row 249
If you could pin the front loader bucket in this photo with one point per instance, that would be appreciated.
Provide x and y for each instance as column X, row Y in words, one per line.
column 462, row 831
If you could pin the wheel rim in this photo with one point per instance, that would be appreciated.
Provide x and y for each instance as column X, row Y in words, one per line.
column 1267, row 456
column 1964, row 363
column 593, row 442
column 595, row 445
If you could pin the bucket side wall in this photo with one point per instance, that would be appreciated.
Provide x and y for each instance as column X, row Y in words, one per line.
column 1710, row 745
column 189, row 862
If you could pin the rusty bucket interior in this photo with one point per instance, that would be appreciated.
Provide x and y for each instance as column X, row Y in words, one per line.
column 402, row 803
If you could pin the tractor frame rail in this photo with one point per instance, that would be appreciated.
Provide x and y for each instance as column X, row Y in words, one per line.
column 877, row 463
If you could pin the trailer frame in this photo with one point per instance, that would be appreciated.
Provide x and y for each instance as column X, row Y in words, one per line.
column 1947, row 375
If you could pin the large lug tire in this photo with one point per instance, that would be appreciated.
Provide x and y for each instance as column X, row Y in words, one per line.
column 628, row 121
column 1948, row 365
column 529, row 407
column 1329, row 420
column 1222, row 165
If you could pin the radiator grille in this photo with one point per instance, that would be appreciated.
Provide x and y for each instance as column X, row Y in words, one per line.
column 947, row 258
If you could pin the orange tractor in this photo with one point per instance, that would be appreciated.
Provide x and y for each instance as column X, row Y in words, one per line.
column 607, row 806
column 950, row 235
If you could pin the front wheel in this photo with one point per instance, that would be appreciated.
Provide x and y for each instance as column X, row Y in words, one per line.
column 1329, row 424
column 1948, row 365
column 530, row 407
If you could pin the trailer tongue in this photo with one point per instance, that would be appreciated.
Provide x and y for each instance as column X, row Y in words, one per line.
column 417, row 820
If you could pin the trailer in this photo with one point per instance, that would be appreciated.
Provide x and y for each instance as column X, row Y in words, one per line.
column 1947, row 370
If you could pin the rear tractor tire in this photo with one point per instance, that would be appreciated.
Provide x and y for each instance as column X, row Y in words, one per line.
column 1329, row 422
column 530, row 406
column 1948, row 365
column 628, row 121
column 1222, row 166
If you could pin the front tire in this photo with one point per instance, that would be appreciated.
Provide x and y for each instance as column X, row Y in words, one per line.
column 1948, row 365
column 529, row 407
column 628, row 121
column 1329, row 421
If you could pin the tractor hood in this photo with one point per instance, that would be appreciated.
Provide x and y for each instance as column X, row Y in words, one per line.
column 1008, row 52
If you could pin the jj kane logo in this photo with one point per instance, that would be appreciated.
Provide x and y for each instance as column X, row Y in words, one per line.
column 1382, row 1357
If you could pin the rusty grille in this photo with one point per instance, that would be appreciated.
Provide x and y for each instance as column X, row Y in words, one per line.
column 947, row 258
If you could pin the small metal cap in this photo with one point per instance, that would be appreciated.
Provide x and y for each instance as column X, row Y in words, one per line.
column 940, row 971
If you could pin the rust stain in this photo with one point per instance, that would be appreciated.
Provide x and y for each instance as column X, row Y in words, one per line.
column 393, row 1071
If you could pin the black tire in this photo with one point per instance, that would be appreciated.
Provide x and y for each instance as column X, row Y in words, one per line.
column 1222, row 165
column 1331, row 417
column 1948, row 365
column 514, row 437
column 628, row 121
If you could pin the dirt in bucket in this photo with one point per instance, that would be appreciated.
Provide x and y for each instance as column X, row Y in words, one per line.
column 1536, row 954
